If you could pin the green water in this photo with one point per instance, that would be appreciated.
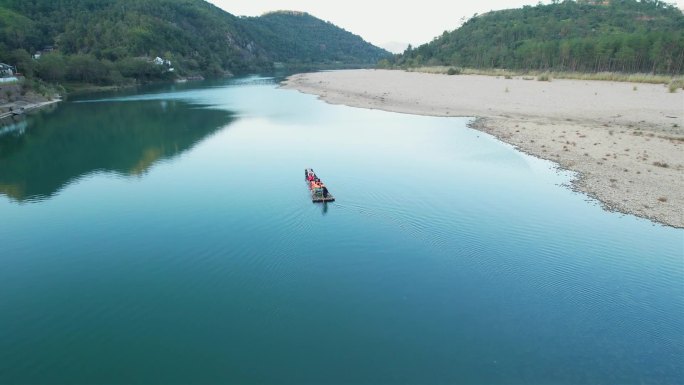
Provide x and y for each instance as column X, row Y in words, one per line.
column 167, row 236
column 80, row 139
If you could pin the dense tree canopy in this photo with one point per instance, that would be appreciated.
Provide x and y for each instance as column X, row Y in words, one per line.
column 297, row 36
column 586, row 36
column 112, row 41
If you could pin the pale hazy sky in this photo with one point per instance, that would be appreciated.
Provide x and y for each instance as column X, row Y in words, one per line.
column 383, row 22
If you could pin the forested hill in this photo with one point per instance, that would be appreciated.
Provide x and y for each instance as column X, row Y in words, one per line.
column 586, row 36
column 115, row 41
column 297, row 36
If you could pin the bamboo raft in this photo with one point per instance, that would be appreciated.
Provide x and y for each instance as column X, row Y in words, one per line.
column 318, row 194
column 329, row 198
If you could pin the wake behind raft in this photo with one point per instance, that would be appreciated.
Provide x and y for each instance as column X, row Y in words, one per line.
column 319, row 192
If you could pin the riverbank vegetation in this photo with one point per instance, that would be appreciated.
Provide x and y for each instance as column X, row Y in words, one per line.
column 649, row 78
column 120, row 42
column 568, row 37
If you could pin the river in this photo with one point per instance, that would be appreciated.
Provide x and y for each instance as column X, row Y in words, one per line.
column 168, row 236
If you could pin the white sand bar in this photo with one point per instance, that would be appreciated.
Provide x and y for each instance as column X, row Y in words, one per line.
column 625, row 140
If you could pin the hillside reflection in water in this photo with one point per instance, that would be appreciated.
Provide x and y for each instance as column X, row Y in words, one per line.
column 53, row 149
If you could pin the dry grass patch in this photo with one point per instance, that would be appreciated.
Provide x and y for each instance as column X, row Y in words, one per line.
column 545, row 77
column 676, row 82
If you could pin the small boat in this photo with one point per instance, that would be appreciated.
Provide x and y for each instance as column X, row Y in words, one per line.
column 319, row 192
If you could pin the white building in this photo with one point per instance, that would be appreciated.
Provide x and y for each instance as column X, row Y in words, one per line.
column 6, row 70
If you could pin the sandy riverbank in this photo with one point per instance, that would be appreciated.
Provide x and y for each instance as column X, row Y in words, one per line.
column 16, row 99
column 625, row 140
column 23, row 107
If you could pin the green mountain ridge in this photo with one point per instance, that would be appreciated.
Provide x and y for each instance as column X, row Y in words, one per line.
column 584, row 36
column 292, row 35
column 114, row 41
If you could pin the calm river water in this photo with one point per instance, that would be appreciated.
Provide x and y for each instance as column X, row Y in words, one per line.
column 168, row 237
